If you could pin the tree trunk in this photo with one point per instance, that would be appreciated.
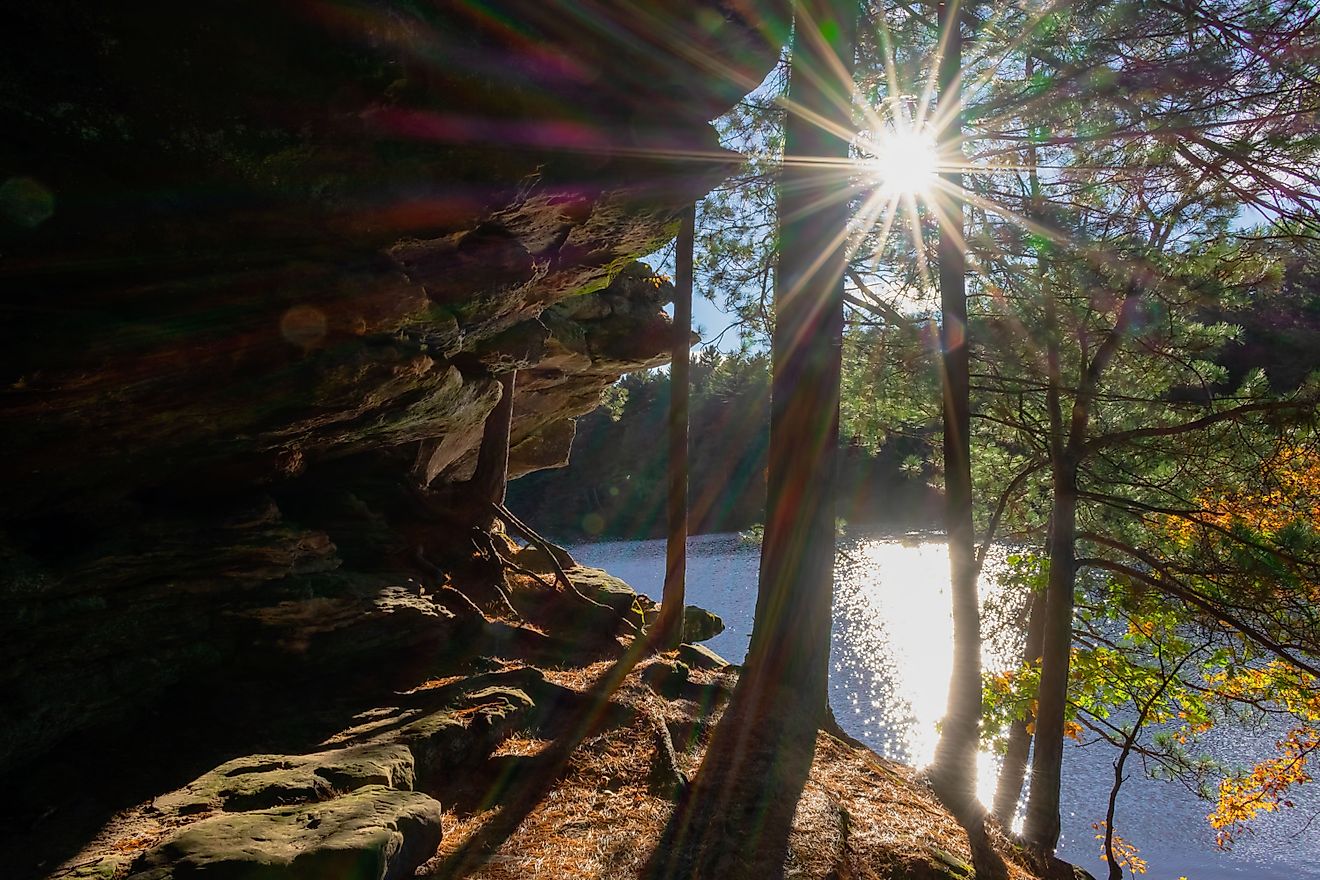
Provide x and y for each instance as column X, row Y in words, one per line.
column 789, row 651
column 676, row 547
column 1014, row 769
column 491, row 477
column 1116, row 870
column 953, row 773
column 738, row 818
column 1041, row 830
column 1066, row 451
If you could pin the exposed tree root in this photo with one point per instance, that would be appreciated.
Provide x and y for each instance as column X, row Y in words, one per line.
column 667, row 778
column 556, row 555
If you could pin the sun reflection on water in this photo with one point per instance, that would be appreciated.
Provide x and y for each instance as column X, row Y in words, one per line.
column 891, row 660
column 893, row 648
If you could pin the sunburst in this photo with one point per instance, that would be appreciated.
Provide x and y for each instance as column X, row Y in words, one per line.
column 901, row 160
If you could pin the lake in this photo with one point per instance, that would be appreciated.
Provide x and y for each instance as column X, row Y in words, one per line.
column 890, row 664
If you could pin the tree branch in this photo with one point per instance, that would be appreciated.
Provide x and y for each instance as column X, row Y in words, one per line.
column 1197, row 424
column 1166, row 585
column 873, row 304
column 993, row 526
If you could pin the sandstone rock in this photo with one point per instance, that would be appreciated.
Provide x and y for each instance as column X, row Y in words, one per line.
column 138, row 606
column 672, row 680
column 700, row 625
column 606, row 589
column 448, row 728
column 701, row 657
column 463, row 427
column 546, row 448
column 534, row 558
column 453, row 727
column 366, row 614
column 613, row 609
column 374, row 832
column 262, row 781
column 666, row 679
column 446, row 740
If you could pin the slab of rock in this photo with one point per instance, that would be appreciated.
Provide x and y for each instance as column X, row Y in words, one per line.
column 375, row 833
column 701, row 657
column 605, row 588
column 534, row 558
column 369, row 616
column 622, row 599
column 613, row 603
column 670, row 679
column 445, row 741
column 444, row 730
column 263, row 781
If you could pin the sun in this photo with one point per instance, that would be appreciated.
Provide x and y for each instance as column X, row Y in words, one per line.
column 901, row 161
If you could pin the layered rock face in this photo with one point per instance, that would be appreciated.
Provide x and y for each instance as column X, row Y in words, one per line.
column 262, row 268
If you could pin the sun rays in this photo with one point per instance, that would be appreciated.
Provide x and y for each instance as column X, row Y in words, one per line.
column 909, row 172
column 901, row 160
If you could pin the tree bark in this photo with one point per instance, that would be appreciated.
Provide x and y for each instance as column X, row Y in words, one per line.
column 789, row 651
column 1067, row 450
column 953, row 772
column 1042, row 826
column 490, row 479
column 1014, row 769
column 676, row 546
column 1115, row 869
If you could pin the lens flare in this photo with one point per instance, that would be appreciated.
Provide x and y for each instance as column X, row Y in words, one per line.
column 901, row 161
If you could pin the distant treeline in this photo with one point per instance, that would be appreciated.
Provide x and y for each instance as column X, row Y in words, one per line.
column 614, row 486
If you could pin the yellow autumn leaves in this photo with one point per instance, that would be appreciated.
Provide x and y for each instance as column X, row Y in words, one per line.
column 1265, row 788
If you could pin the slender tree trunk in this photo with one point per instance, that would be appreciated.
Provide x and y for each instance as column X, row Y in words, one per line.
column 1129, row 742
column 1014, row 769
column 676, row 547
column 1042, row 826
column 953, row 772
column 1115, row 870
column 789, row 651
column 491, row 477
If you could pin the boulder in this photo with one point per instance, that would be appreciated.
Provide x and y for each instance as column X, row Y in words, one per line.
column 375, row 832
column 534, row 558
column 700, row 625
column 605, row 588
column 667, row 680
column 672, row 681
column 364, row 616
column 615, row 604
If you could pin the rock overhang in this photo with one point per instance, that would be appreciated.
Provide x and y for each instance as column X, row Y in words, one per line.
column 252, row 250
